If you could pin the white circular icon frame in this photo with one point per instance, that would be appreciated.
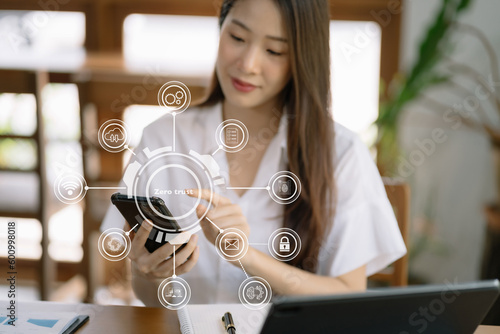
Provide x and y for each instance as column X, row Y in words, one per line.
column 279, row 233
column 287, row 175
column 103, row 132
column 220, row 134
column 171, row 280
column 72, row 179
column 193, row 227
column 190, row 172
column 223, row 236
column 111, row 232
column 164, row 92
column 246, row 284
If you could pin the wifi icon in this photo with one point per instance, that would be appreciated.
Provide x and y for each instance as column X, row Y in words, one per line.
column 70, row 187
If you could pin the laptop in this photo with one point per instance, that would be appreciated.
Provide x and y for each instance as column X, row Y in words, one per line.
column 452, row 307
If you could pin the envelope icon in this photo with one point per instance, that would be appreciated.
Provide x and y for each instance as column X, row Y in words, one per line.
column 232, row 244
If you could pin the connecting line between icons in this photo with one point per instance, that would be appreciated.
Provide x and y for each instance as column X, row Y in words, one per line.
column 127, row 233
column 128, row 148
column 263, row 188
column 87, row 188
column 217, row 150
column 220, row 230
column 173, row 132
column 243, row 269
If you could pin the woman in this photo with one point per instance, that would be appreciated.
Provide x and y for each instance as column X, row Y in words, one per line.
column 272, row 74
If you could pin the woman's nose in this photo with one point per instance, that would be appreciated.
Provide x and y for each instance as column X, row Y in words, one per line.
column 250, row 61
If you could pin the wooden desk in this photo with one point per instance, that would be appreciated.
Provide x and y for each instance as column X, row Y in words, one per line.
column 113, row 319
column 128, row 319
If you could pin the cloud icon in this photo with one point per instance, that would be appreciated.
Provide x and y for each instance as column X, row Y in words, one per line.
column 114, row 135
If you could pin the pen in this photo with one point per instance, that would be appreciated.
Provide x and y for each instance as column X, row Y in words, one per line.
column 227, row 318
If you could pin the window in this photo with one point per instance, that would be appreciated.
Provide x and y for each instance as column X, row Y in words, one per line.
column 187, row 46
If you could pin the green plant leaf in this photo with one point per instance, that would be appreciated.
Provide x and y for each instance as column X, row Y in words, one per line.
column 423, row 74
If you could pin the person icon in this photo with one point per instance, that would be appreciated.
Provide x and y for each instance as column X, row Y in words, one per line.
column 177, row 293
column 173, row 292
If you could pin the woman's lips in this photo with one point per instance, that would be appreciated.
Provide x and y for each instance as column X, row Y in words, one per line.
column 242, row 86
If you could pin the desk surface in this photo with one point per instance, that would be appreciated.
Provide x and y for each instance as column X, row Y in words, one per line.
column 128, row 319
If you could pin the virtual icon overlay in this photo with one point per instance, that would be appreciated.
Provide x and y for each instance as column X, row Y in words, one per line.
column 174, row 293
column 163, row 184
column 284, row 187
column 114, row 136
column 114, row 244
column 284, row 244
column 170, row 176
column 231, row 136
column 255, row 293
column 70, row 188
column 174, row 97
column 231, row 244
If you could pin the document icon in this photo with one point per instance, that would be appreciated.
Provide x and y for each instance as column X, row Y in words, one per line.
column 232, row 244
column 232, row 136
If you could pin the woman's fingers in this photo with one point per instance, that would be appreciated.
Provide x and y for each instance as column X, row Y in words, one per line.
column 139, row 240
column 209, row 230
column 154, row 259
column 224, row 211
column 189, row 264
column 230, row 210
column 159, row 264
column 209, row 196
column 180, row 255
column 216, row 220
column 207, row 224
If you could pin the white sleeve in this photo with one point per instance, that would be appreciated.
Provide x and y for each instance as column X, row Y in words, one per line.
column 365, row 230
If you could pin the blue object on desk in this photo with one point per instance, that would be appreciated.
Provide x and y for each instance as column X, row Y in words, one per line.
column 49, row 323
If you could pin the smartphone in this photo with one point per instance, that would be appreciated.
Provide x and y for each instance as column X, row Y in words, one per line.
column 128, row 207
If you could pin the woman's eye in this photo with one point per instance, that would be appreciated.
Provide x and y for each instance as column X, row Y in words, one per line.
column 236, row 38
column 274, row 53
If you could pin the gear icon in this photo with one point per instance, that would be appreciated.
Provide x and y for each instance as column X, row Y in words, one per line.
column 114, row 245
column 251, row 293
column 261, row 292
column 174, row 96
column 173, row 99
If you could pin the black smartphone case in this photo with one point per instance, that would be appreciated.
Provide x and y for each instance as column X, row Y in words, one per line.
column 128, row 208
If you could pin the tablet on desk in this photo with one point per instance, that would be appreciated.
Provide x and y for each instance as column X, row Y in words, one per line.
column 449, row 308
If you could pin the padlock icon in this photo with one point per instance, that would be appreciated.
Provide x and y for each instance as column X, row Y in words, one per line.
column 284, row 245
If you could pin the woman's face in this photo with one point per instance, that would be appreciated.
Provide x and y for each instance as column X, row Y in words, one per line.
column 253, row 63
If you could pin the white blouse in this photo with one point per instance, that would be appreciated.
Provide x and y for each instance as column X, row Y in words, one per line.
column 365, row 231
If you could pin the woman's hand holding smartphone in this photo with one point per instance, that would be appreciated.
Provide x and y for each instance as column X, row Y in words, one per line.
column 160, row 263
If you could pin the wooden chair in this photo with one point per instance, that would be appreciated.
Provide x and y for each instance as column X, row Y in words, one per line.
column 24, row 193
column 399, row 195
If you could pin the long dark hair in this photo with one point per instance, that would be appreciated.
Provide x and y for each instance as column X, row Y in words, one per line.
column 310, row 124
